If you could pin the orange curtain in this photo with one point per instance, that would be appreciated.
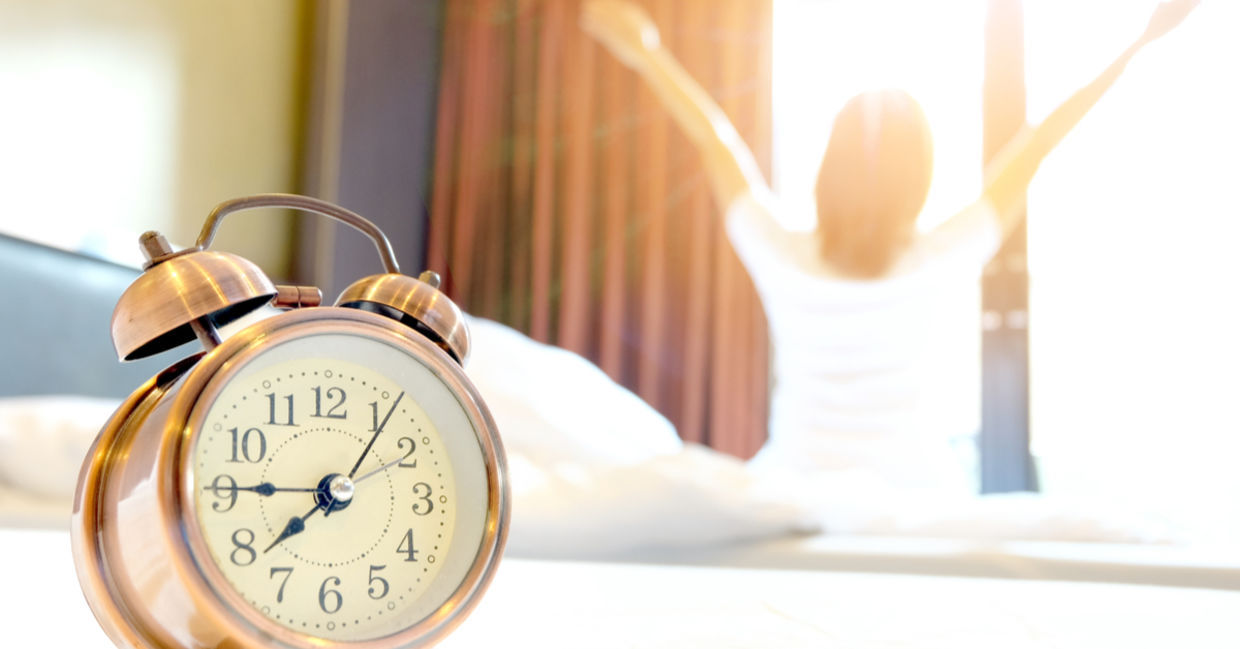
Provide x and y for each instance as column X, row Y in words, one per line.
column 567, row 205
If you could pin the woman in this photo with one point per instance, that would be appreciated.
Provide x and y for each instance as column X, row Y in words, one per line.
column 846, row 303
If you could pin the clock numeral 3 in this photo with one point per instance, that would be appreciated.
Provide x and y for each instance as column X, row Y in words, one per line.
column 424, row 505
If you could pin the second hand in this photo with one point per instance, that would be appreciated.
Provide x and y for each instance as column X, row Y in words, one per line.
column 378, row 470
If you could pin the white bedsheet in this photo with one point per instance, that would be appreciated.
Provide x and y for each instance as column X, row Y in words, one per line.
column 550, row 605
column 1193, row 566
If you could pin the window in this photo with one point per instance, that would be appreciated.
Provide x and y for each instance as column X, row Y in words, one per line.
column 1134, row 318
column 131, row 115
column 1135, row 327
column 89, row 130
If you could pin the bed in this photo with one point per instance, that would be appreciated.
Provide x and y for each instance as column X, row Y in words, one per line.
column 622, row 536
column 554, row 604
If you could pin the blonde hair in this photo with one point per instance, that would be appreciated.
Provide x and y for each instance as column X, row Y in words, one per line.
column 873, row 182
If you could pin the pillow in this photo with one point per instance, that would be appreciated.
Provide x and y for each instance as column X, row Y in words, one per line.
column 44, row 439
column 598, row 473
column 553, row 406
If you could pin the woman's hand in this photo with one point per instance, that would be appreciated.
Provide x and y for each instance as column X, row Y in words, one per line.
column 624, row 29
column 1167, row 17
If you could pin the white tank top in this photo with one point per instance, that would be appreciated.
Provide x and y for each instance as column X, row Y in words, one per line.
column 848, row 375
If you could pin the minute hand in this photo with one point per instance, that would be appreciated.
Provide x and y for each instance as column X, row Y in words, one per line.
column 378, row 429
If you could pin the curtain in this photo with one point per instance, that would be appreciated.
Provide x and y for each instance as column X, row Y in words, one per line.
column 565, row 203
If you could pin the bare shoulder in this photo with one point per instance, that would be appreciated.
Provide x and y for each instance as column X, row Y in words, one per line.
column 762, row 241
column 755, row 213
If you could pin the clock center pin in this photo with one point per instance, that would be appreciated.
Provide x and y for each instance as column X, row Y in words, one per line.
column 335, row 492
column 341, row 489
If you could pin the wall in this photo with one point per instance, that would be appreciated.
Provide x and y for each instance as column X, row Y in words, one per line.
column 127, row 115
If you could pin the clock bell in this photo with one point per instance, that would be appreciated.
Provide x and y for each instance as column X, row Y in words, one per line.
column 192, row 293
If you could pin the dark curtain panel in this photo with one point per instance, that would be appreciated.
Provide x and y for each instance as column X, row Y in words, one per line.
column 566, row 204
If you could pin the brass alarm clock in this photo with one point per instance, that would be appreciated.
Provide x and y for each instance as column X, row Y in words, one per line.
column 326, row 476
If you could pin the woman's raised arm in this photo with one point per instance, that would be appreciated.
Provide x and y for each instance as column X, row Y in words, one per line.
column 1008, row 176
column 631, row 36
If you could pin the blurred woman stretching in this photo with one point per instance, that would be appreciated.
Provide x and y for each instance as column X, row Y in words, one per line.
column 847, row 302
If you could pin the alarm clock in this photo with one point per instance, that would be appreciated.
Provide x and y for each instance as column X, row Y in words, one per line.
column 315, row 476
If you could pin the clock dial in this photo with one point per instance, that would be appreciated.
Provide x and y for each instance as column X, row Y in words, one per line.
column 338, row 487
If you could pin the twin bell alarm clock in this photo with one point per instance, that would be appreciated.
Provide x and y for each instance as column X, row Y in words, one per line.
column 325, row 476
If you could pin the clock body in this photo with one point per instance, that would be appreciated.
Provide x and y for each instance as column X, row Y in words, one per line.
column 324, row 477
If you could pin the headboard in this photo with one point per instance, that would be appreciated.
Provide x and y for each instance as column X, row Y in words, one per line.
column 55, row 324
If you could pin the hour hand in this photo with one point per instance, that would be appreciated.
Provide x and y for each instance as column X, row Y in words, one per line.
column 224, row 485
column 296, row 525
column 267, row 489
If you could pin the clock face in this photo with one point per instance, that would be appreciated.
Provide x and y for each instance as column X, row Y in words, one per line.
column 338, row 486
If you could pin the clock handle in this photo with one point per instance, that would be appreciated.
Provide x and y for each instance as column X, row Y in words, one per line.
column 305, row 204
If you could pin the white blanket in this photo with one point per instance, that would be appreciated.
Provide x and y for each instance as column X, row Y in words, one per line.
column 596, row 473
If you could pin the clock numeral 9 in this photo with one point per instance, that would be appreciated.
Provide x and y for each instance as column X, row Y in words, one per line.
column 423, row 492
column 246, row 552
column 222, row 491
column 382, row 583
column 242, row 448
column 327, row 595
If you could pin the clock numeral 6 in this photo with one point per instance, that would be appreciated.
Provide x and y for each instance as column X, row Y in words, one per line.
column 243, row 554
column 330, row 599
column 382, row 583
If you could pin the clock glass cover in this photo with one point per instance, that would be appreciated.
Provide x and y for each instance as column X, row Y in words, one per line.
column 337, row 487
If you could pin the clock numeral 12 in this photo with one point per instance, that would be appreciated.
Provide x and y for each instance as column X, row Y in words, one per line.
column 318, row 403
